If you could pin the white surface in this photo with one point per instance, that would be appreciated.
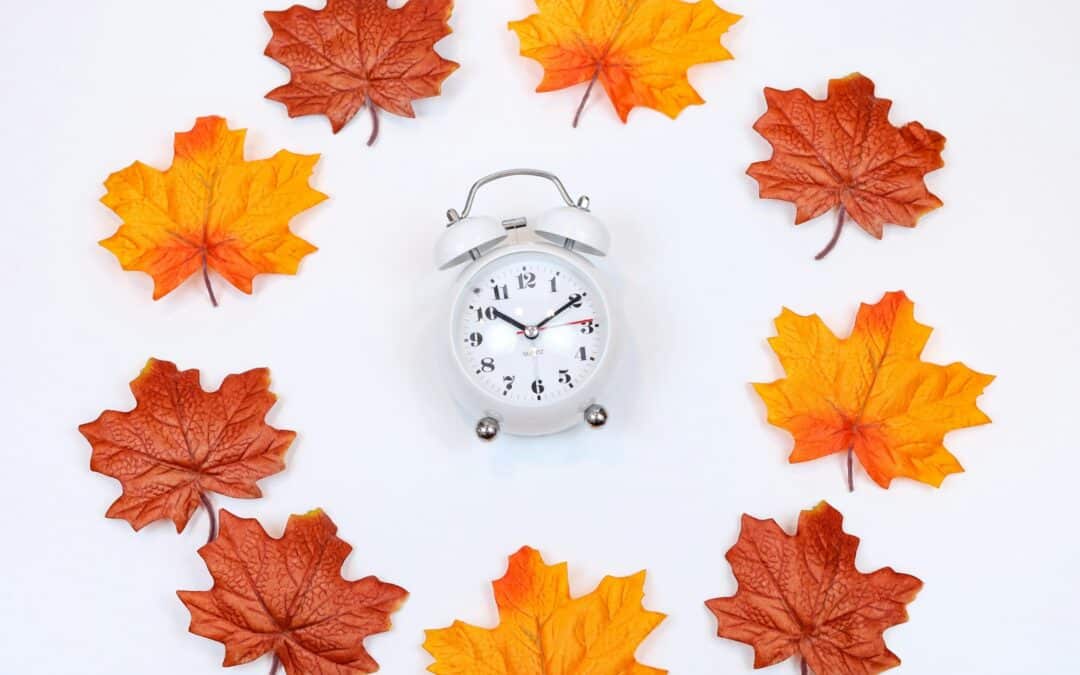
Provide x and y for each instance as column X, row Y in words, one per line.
column 704, row 267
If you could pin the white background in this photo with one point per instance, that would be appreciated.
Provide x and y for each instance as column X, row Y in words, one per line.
column 703, row 266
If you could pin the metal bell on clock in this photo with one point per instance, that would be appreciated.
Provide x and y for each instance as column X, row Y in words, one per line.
column 575, row 229
column 467, row 239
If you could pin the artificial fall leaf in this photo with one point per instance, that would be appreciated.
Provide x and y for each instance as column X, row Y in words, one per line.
column 639, row 50
column 870, row 393
column 543, row 631
column 354, row 53
column 211, row 209
column 181, row 442
column 287, row 596
column 843, row 152
column 802, row 595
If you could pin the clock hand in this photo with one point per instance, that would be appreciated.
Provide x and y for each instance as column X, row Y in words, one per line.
column 516, row 324
column 560, row 325
column 574, row 299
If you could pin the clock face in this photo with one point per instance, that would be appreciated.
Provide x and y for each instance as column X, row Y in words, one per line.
column 530, row 328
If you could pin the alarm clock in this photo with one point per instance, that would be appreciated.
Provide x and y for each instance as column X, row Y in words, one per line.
column 531, row 326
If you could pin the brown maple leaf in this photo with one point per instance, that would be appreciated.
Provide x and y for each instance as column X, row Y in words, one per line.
column 181, row 442
column 802, row 595
column 354, row 53
column 843, row 152
column 287, row 596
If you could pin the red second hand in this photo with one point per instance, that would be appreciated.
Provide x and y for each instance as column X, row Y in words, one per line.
column 560, row 325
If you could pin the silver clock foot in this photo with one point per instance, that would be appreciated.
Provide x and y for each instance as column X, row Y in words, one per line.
column 487, row 428
column 596, row 415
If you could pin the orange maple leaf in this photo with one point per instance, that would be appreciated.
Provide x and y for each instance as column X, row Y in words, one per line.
column 211, row 210
column 870, row 393
column 181, row 442
column 802, row 595
column 287, row 596
column 639, row 50
column 542, row 631
column 354, row 53
column 843, row 152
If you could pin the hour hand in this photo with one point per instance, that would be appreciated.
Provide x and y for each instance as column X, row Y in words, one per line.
column 512, row 322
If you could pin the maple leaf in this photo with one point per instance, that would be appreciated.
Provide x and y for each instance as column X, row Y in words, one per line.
column 843, row 152
column 354, row 53
column 211, row 210
column 802, row 595
column 542, row 631
column 639, row 50
column 181, row 442
column 287, row 596
column 870, row 393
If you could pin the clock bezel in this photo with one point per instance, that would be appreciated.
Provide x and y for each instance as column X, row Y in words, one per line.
column 532, row 420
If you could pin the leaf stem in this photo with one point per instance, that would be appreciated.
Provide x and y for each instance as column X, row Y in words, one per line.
column 588, row 90
column 206, row 278
column 850, row 472
column 805, row 670
column 209, row 506
column 275, row 664
column 374, row 122
column 841, row 215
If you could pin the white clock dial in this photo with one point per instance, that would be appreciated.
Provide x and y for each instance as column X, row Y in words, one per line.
column 530, row 328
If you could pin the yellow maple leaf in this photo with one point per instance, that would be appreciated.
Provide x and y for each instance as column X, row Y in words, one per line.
column 870, row 393
column 543, row 631
column 211, row 210
column 639, row 50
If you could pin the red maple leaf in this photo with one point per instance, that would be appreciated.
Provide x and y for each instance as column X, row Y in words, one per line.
column 287, row 596
column 181, row 442
column 843, row 152
column 802, row 595
column 354, row 53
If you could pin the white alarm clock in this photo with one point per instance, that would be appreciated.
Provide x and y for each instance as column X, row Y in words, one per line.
column 531, row 325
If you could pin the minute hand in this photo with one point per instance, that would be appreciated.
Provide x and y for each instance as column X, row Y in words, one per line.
column 574, row 299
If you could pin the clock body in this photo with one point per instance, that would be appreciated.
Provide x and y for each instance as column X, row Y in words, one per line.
column 531, row 337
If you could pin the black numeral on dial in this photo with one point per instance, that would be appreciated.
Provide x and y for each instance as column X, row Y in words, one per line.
column 483, row 313
column 487, row 364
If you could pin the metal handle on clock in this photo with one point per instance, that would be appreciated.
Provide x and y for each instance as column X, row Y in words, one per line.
column 453, row 216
